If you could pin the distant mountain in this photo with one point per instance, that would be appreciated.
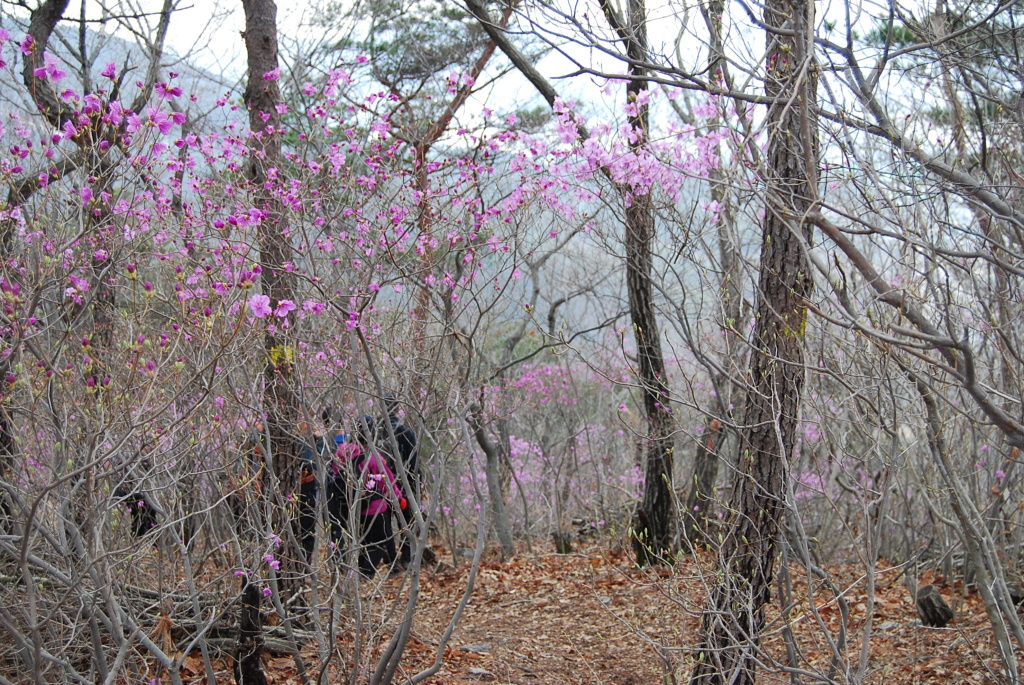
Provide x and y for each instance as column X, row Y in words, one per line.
column 200, row 88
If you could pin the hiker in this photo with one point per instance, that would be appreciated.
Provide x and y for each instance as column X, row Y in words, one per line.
column 130, row 493
column 339, row 485
column 378, row 494
column 311, row 454
column 408, row 453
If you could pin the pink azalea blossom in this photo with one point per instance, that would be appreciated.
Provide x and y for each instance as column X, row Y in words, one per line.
column 115, row 112
column 49, row 70
column 313, row 307
column 260, row 306
column 166, row 92
column 78, row 283
column 283, row 307
column 160, row 120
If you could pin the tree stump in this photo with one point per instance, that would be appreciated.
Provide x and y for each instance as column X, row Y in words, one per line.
column 429, row 556
column 563, row 542
column 932, row 609
column 249, row 649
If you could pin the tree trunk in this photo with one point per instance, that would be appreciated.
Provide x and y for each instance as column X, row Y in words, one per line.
column 494, row 491
column 44, row 20
column 653, row 530
column 262, row 96
column 732, row 625
column 932, row 608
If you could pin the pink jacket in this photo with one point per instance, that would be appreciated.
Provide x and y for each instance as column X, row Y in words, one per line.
column 378, row 478
column 380, row 485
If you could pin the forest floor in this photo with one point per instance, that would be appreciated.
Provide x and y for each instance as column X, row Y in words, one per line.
column 592, row 617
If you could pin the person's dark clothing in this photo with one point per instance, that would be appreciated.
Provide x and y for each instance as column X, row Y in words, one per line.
column 408, row 453
column 311, row 455
column 132, row 495
column 379, row 495
column 378, row 542
column 144, row 517
column 307, row 517
column 308, row 488
column 337, row 488
column 340, row 484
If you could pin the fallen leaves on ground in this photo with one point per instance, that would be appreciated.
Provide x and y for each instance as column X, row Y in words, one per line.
column 593, row 618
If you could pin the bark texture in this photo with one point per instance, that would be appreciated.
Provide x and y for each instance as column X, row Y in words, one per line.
column 262, row 96
column 653, row 529
column 932, row 609
column 733, row 623
column 41, row 26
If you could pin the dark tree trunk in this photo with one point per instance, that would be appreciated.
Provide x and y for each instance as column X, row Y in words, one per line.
column 653, row 530
column 732, row 625
column 41, row 26
column 262, row 96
